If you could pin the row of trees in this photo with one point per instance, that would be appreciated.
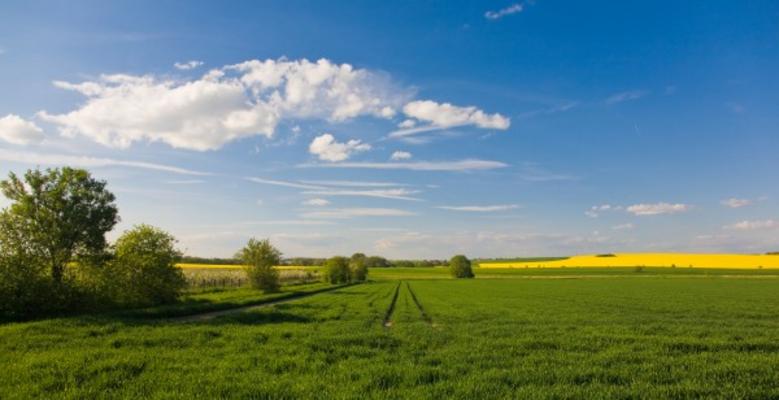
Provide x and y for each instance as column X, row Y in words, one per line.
column 54, row 255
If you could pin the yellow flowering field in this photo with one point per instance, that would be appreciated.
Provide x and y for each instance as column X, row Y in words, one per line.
column 679, row 260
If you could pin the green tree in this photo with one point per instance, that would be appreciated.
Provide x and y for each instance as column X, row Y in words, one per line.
column 260, row 258
column 377, row 262
column 460, row 267
column 25, row 288
column 358, row 267
column 61, row 214
column 337, row 270
column 143, row 271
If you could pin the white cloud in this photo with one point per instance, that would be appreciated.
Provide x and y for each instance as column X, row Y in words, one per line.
column 657, row 209
column 354, row 183
column 327, row 149
column 395, row 194
column 225, row 104
column 455, row 166
column 595, row 211
column 736, row 203
column 284, row 183
column 343, row 213
column 512, row 9
column 316, row 202
column 493, row 208
column 15, row 130
column 623, row 227
column 185, row 66
column 407, row 123
column 445, row 115
column 753, row 225
column 400, row 155
column 87, row 162
column 626, row 96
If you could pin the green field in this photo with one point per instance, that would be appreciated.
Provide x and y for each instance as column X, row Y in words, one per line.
column 561, row 334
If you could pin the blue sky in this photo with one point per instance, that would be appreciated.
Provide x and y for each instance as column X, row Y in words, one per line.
column 408, row 129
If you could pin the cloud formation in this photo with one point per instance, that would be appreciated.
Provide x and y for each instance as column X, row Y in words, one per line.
column 395, row 194
column 15, row 130
column 400, row 155
column 344, row 213
column 658, row 208
column 185, row 66
column 736, row 203
column 481, row 209
column 753, row 225
column 454, row 166
column 328, row 149
column 88, row 162
column 626, row 96
column 512, row 9
column 316, row 202
column 445, row 115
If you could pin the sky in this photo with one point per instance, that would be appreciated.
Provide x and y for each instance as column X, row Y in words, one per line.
column 408, row 129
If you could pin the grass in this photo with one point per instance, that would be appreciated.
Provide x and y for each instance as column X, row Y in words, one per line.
column 601, row 334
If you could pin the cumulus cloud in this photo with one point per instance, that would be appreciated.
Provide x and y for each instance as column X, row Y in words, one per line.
column 445, row 115
column 88, row 162
column 512, row 9
column 626, row 96
column 15, row 130
column 492, row 208
column 328, row 149
column 736, row 203
column 185, row 66
column 753, row 225
column 400, row 155
column 407, row 123
column 225, row 104
column 658, row 208
column 316, row 202
column 344, row 213
column 454, row 166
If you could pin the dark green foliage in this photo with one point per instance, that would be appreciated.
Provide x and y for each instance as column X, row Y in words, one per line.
column 606, row 255
column 358, row 268
column 210, row 260
column 143, row 271
column 460, row 267
column 337, row 270
column 62, row 214
column 377, row 262
column 260, row 258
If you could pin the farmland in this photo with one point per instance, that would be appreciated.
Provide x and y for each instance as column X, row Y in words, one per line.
column 672, row 260
column 414, row 333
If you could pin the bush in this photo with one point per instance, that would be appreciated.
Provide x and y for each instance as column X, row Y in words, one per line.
column 460, row 267
column 260, row 258
column 358, row 268
column 337, row 270
column 143, row 271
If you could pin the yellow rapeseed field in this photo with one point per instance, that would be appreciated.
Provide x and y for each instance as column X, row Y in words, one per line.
column 679, row 260
column 221, row 266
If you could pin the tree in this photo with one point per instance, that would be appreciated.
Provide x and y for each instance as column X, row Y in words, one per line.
column 24, row 284
column 357, row 266
column 260, row 258
column 143, row 271
column 377, row 262
column 337, row 270
column 62, row 214
column 460, row 267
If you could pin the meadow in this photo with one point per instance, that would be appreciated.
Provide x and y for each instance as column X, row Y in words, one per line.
column 415, row 333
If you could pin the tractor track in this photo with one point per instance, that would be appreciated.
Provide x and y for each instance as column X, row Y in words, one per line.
column 387, row 323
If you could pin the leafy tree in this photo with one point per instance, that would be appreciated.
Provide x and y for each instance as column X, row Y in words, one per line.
column 260, row 258
column 143, row 271
column 61, row 214
column 358, row 268
column 24, row 284
column 377, row 262
column 337, row 270
column 460, row 267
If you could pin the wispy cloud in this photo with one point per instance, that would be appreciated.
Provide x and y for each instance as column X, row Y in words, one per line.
column 185, row 66
column 395, row 194
column 295, row 185
column 736, row 203
column 658, row 208
column 457, row 166
column 753, row 225
column 400, row 155
column 345, row 213
column 531, row 172
column 626, row 96
column 184, row 181
column 512, row 9
column 481, row 209
column 353, row 183
column 623, row 227
column 316, row 202
column 88, row 162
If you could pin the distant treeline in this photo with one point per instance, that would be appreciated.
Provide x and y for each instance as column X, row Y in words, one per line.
column 370, row 262
column 518, row 259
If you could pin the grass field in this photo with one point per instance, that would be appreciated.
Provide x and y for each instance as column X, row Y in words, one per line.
column 592, row 334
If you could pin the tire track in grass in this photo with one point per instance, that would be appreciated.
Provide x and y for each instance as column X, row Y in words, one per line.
column 419, row 305
column 388, row 316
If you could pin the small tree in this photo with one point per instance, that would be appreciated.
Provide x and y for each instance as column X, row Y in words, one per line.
column 358, row 267
column 143, row 271
column 337, row 270
column 377, row 262
column 460, row 267
column 61, row 214
column 260, row 258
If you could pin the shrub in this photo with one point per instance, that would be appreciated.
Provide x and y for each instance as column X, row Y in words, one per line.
column 143, row 271
column 460, row 267
column 638, row 268
column 358, row 268
column 260, row 258
column 337, row 270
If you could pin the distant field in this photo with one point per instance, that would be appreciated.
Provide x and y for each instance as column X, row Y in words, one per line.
column 228, row 266
column 727, row 261
column 607, row 336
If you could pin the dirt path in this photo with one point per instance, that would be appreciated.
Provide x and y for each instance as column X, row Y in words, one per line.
column 388, row 316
